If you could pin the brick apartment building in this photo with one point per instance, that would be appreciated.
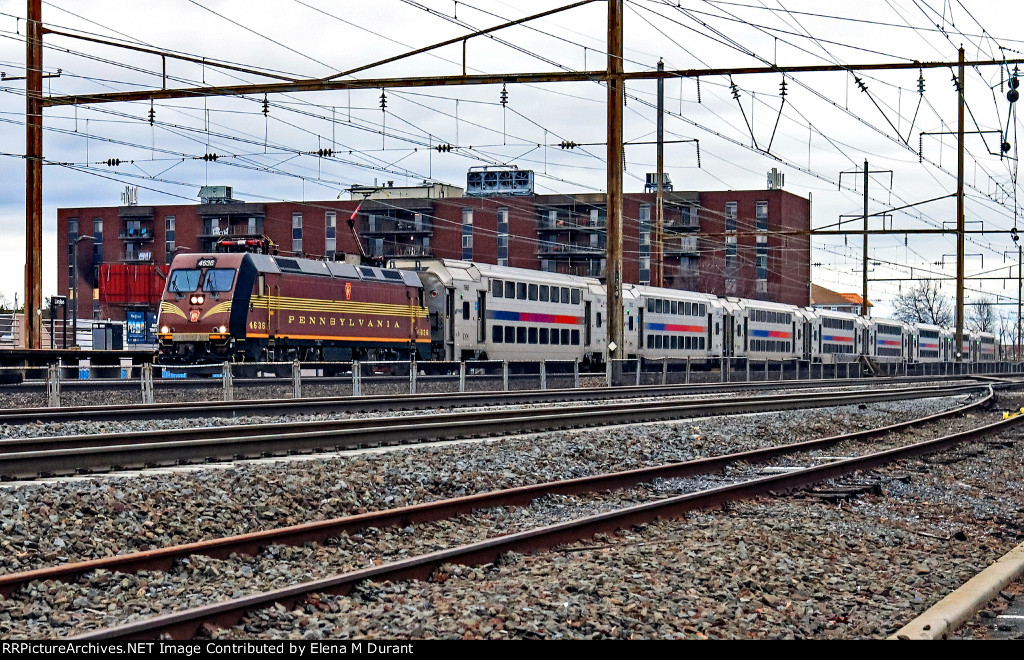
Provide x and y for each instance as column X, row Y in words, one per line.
column 729, row 243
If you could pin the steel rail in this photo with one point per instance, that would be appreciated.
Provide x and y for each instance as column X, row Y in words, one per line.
column 280, row 429
column 320, row 531
column 186, row 624
column 390, row 402
column 379, row 431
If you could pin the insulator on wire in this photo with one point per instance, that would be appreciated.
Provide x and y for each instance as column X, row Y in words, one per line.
column 209, row 157
column 735, row 90
column 920, row 82
column 266, row 106
column 861, row 84
column 444, row 148
column 113, row 162
column 504, row 95
column 324, row 152
column 566, row 144
column 152, row 113
column 383, row 101
column 782, row 88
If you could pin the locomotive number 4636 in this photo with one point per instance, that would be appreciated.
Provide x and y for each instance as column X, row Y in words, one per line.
column 257, row 325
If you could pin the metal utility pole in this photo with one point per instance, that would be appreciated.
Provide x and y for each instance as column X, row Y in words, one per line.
column 1020, row 288
column 960, row 210
column 864, row 302
column 34, row 174
column 864, row 259
column 658, row 242
column 614, row 211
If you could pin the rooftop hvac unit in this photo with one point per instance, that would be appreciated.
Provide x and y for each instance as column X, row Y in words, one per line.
column 498, row 181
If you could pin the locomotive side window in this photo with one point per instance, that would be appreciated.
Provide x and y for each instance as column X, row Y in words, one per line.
column 465, row 310
column 575, row 296
column 496, row 334
column 533, row 294
column 544, row 293
column 599, row 319
column 521, row 290
column 219, row 279
column 184, row 281
column 565, row 296
column 543, row 335
column 532, row 335
column 496, row 288
column 510, row 289
column 520, row 335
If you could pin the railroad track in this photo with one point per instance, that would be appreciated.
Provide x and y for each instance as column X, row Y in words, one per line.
column 34, row 457
column 185, row 624
column 389, row 402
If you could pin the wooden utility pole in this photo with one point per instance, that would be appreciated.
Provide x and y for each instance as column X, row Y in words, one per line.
column 614, row 210
column 658, row 242
column 960, row 211
column 34, row 175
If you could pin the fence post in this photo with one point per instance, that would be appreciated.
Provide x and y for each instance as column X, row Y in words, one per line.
column 412, row 378
column 296, row 380
column 664, row 371
column 721, row 364
column 147, row 383
column 687, row 369
column 638, row 365
column 357, row 379
column 543, row 375
column 608, row 371
column 53, row 384
column 228, row 381
column 462, row 376
column 504, row 375
column 576, row 374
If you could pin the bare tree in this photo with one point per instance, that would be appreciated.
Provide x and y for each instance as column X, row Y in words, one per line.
column 924, row 304
column 980, row 315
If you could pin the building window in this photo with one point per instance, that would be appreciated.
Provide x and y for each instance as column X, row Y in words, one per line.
column 761, row 215
column 502, row 237
column 330, row 234
column 297, row 234
column 168, row 238
column 730, row 216
column 645, row 243
column 467, row 234
column 97, row 245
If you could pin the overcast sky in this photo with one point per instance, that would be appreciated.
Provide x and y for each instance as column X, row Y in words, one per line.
column 827, row 125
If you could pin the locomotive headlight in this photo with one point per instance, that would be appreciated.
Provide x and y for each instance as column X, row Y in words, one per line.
column 164, row 329
column 197, row 300
column 222, row 329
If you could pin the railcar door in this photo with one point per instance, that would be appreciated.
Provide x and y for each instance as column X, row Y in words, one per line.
column 727, row 336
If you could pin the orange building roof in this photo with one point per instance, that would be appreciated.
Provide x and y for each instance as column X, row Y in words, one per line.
column 822, row 296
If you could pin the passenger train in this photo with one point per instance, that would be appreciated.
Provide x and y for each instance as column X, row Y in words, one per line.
column 260, row 307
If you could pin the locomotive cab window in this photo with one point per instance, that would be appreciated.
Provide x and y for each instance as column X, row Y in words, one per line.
column 184, row 280
column 219, row 279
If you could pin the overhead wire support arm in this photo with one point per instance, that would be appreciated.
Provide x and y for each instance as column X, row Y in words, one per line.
column 165, row 54
column 601, row 75
column 455, row 40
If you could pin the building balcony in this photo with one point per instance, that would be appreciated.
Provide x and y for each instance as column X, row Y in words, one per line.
column 399, row 229
column 137, row 235
column 680, row 226
column 389, row 251
column 137, row 258
column 584, row 225
column 550, row 251
column 233, row 230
